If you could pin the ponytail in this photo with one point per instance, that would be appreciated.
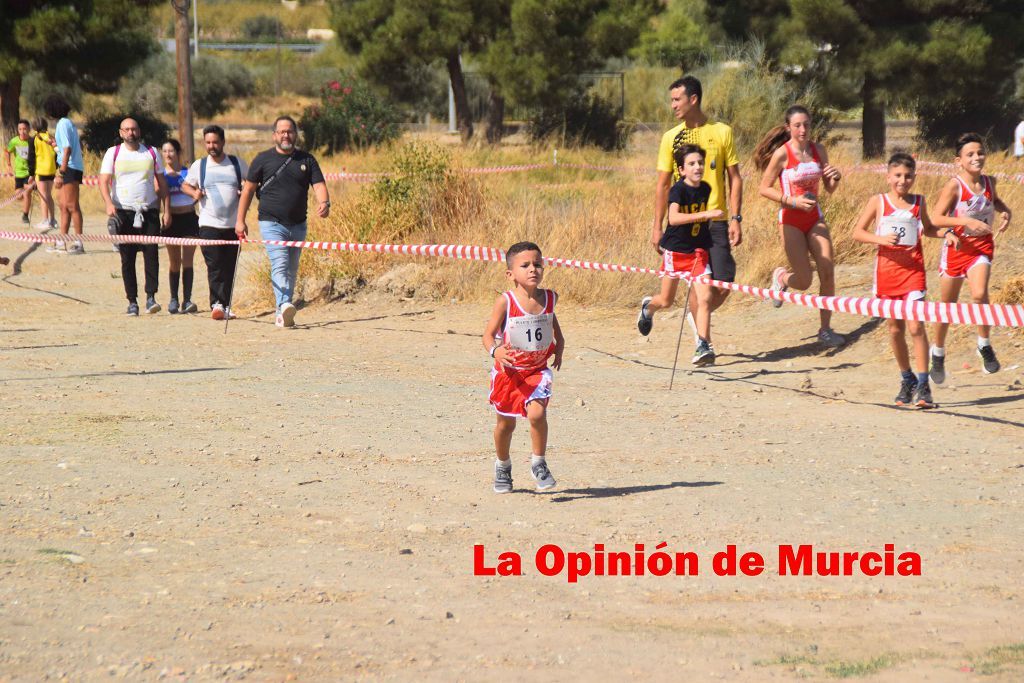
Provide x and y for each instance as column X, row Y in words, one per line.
column 776, row 137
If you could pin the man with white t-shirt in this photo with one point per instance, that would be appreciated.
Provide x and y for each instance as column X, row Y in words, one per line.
column 216, row 182
column 1018, row 141
column 134, row 200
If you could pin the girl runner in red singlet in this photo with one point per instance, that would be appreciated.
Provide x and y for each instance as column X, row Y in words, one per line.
column 896, row 221
column 801, row 166
column 521, row 335
column 971, row 198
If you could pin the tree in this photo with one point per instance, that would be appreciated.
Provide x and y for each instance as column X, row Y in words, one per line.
column 537, row 58
column 678, row 36
column 897, row 48
column 396, row 39
column 89, row 43
column 531, row 51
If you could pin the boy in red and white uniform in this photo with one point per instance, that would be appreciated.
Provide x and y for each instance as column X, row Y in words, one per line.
column 895, row 221
column 521, row 334
column 968, row 203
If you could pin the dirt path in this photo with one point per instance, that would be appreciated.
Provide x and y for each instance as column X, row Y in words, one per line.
column 278, row 505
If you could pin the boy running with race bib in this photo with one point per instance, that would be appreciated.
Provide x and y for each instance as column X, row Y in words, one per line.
column 895, row 221
column 684, row 248
column 521, row 335
column 971, row 198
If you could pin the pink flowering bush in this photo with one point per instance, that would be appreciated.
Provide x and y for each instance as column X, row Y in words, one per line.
column 349, row 116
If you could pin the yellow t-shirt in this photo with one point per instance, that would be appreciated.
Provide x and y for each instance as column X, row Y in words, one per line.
column 716, row 140
column 46, row 155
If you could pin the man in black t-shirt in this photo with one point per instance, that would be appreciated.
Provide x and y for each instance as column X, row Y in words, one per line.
column 281, row 178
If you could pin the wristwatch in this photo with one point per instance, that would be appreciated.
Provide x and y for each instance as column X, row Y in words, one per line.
column 327, row 202
column 738, row 218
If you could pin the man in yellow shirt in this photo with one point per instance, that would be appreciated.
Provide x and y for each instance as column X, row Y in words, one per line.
column 721, row 161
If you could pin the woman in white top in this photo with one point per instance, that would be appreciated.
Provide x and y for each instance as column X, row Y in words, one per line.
column 184, row 223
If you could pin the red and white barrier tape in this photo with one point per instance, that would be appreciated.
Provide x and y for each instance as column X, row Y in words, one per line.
column 1000, row 315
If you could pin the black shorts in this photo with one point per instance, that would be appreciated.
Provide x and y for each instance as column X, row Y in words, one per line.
column 20, row 182
column 44, row 178
column 72, row 175
column 183, row 225
column 723, row 265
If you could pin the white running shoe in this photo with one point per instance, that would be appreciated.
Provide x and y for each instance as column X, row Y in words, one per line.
column 76, row 249
column 288, row 314
column 57, row 248
column 777, row 285
column 43, row 225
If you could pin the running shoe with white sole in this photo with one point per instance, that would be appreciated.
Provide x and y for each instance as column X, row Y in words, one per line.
column 76, row 249
column 644, row 322
column 133, row 308
column 57, row 248
column 189, row 307
column 777, row 285
column 937, row 373
column 541, row 474
column 502, row 479
column 288, row 314
column 229, row 315
column 152, row 306
column 43, row 225
column 989, row 363
column 923, row 400
column 906, row 395
column 830, row 338
column 704, row 354
column 172, row 306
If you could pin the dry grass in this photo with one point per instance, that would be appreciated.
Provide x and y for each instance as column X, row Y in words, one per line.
column 590, row 215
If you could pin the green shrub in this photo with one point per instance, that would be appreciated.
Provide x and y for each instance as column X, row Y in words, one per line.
column 152, row 85
column 586, row 120
column 350, row 115
column 102, row 131
column 262, row 27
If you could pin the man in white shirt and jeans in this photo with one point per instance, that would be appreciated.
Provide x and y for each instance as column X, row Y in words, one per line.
column 216, row 182
column 134, row 200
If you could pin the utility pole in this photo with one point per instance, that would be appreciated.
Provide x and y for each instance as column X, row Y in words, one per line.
column 184, row 63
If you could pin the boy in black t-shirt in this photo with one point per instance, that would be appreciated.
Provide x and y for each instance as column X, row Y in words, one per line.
column 684, row 249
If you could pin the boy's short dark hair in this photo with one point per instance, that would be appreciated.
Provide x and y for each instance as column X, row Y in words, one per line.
column 518, row 248
column 691, row 84
column 966, row 139
column 215, row 129
column 679, row 155
column 26, row 122
column 902, row 159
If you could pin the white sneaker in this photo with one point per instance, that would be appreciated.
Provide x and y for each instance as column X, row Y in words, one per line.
column 287, row 315
column 229, row 315
column 777, row 285
column 76, row 248
column 43, row 225
column 57, row 248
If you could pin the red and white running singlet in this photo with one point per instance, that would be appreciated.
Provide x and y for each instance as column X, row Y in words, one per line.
column 529, row 337
column 899, row 269
column 797, row 179
column 974, row 249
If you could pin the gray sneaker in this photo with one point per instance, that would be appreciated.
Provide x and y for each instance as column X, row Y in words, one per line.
column 502, row 479
column 989, row 363
column 542, row 475
column 704, row 355
column 152, row 306
column 644, row 322
column 830, row 338
column 937, row 373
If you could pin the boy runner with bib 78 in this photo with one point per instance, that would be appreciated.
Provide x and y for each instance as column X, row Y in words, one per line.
column 895, row 221
column 521, row 335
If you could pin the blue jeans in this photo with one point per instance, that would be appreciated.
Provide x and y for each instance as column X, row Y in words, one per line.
column 284, row 261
